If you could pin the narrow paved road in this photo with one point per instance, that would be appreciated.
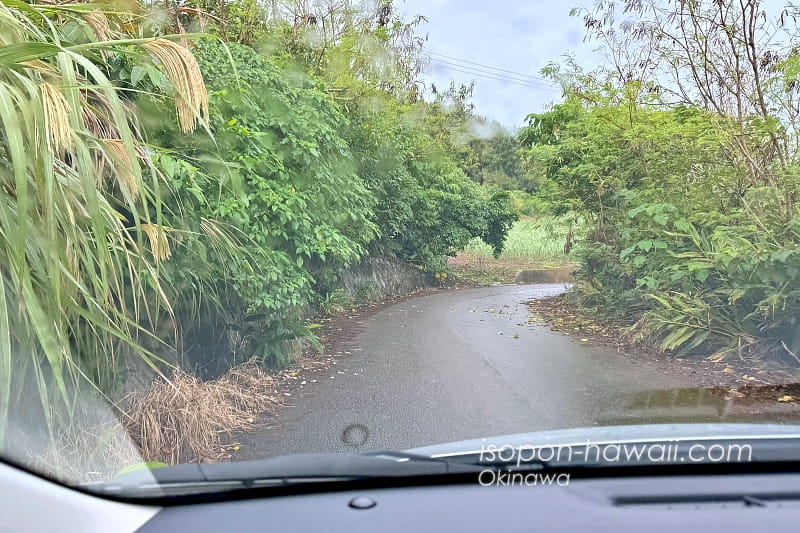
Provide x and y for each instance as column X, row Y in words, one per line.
column 441, row 367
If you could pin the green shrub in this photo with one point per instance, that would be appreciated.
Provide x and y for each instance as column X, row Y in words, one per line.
column 735, row 289
column 427, row 208
column 366, row 292
column 334, row 303
column 285, row 183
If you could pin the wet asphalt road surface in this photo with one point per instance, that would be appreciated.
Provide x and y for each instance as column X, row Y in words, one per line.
column 442, row 367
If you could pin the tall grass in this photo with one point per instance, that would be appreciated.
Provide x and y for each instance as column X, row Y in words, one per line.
column 532, row 239
column 76, row 276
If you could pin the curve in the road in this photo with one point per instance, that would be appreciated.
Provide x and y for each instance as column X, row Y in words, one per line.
column 451, row 366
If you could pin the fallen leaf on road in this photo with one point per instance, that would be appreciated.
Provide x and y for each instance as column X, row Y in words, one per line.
column 728, row 370
column 584, row 340
column 786, row 399
column 516, row 335
column 716, row 358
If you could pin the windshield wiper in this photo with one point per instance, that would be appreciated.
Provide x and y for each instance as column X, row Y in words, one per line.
column 323, row 468
column 279, row 471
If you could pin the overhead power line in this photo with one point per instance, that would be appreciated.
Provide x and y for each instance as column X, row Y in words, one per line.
column 539, row 78
column 479, row 74
column 504, row 76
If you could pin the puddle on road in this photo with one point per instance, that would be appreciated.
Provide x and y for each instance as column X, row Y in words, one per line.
column 759, row 404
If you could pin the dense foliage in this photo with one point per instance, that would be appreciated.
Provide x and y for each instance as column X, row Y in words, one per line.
column 689, row 176
column 184, row 200
column 289, row 188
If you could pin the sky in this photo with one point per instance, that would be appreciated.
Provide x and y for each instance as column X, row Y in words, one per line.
column 521, row 36
column 514, row 35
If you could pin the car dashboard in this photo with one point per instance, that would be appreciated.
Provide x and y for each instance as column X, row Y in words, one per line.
column 755, row 502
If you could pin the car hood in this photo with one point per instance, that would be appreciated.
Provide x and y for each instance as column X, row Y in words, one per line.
column 436, row 460
column 614, row 435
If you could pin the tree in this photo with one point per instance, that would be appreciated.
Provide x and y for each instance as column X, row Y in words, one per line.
column 682, row 153
column 727, row 56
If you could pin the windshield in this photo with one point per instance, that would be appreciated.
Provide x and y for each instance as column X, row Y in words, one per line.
column 235, row 230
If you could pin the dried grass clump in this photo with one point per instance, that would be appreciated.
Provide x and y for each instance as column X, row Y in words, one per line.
column 186, row 419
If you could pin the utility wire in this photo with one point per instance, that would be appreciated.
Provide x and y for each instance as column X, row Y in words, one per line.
column 506, row 80
column 490, row 67
column 496, row 78
column 504, row 76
